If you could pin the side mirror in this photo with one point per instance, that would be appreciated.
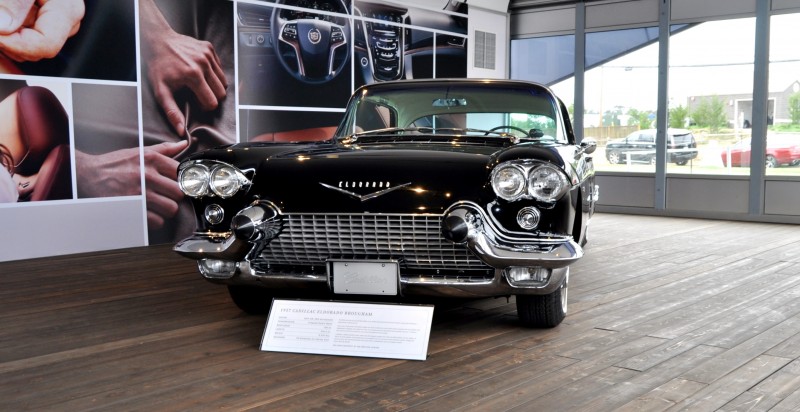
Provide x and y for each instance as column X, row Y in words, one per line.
column 588, row 146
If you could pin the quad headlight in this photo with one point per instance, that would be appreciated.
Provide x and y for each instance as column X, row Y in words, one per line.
column 535, row 180
column 225, row 181
column 547, row 183
column 193, row 180
column 200, row 179
column 508, row 181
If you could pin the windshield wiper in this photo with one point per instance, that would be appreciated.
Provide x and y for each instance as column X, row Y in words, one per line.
column 512, row 138
column 388, row 130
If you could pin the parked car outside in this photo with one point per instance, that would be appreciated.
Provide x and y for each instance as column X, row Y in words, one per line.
column 456, row 188
column 781, row 150
column 641, row 147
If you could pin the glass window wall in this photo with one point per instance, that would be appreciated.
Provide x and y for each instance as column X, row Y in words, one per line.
column 783, row 117
column 621, row 97
column 711, row 98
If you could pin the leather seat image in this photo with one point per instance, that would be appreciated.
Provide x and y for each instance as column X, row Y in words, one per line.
column 39, row 151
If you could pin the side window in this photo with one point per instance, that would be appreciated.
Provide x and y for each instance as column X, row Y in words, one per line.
column 374, row 116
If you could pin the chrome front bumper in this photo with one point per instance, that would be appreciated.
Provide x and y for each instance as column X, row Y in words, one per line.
column 228, row 257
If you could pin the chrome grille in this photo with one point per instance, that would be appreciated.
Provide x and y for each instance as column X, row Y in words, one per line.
column 414, row 240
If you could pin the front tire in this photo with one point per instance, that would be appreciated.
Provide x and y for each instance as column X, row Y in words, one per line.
column 614, row 157
column 544, row 311
column 251, row 299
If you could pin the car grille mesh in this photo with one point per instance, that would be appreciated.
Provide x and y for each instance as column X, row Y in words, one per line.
column 414, row 240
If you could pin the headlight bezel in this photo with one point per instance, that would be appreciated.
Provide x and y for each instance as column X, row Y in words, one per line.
column 535, row 172
column 236, row 179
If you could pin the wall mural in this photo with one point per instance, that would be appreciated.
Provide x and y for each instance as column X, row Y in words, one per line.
column 85, row 115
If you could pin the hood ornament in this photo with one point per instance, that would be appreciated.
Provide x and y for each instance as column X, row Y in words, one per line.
column 385, row 185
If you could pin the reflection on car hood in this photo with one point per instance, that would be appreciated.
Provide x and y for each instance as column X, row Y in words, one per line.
column 374, row 178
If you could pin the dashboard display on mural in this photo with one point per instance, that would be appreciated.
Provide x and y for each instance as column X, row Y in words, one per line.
column 294, row 56
column 314, row 53
column 393, row 42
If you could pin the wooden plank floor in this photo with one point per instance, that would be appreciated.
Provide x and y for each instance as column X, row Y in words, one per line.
column 665, row 314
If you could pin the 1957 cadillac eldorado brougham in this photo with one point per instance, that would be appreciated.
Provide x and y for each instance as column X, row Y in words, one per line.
column 459, row 188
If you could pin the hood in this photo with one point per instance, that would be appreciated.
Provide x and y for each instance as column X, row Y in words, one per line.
column 376, row 178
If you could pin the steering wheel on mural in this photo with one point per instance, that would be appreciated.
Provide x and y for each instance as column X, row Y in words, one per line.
column 313, row 47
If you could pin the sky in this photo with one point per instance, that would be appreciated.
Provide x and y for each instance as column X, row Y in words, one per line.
column 711, row 58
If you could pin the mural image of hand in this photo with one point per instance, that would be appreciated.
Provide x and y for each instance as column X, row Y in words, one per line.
column 118, row 173
column 13, row 13
column 31, row 31
column 175, row 61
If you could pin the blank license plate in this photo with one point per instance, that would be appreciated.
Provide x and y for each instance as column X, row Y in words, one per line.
column 365, row 278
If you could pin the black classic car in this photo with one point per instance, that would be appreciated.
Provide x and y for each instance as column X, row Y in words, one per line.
column 456, row 188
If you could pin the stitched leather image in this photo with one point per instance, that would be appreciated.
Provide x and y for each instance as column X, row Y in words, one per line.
column 43, row 125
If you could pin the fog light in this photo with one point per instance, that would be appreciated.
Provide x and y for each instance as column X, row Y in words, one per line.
column 526, row 276
column 215, row 268
column 214, row 214
column 528, row 218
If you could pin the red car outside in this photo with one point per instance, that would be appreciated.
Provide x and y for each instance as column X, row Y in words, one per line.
column 781, row 150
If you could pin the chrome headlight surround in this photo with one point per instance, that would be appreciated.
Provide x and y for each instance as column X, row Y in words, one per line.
column 541, row 181
column 208, row 178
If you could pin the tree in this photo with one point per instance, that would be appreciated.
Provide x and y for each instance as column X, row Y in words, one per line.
column 710, row 112
column 677, row 117
column 611, row 117
column 794, row 108
column 643, row 118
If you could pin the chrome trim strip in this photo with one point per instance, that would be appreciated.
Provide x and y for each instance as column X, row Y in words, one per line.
column 200, row 246
column 504, row 235
column 368, row 196
column 409, row 284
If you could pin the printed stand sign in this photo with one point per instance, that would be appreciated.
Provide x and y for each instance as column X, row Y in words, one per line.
column 348, row 329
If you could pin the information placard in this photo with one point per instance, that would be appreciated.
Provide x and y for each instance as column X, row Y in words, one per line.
column 349, row 329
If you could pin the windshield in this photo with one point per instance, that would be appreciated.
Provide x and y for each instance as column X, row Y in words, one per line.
column 473, row 109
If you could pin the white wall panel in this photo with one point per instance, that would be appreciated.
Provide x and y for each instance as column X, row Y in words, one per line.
column 785, row 4
column 695, row 10
column 782, row 198
column 58, row 228
column 622, row 13
column 632, row 191
column 543, row 22
column 707, row 195
column 496, row 5
column 489, row 22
